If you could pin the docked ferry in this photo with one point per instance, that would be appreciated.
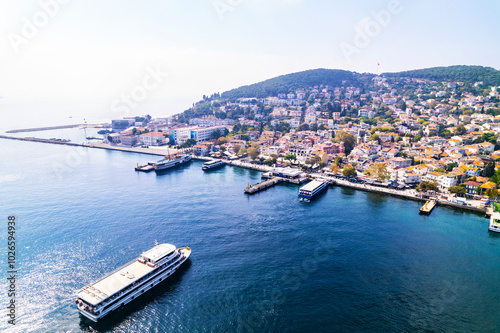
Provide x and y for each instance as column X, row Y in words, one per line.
column 212, row 164
column 494, row 222
column 130, row 281
column 311, row 189
column 168, row 162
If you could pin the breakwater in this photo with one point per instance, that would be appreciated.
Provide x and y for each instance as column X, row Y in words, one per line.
column 38, row 129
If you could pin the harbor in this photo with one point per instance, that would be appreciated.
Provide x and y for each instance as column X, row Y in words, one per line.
column 210, row 213
column 268, row 172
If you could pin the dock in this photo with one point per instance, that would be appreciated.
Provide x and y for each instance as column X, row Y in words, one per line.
column 263, row 185
column 144, row 168
column 428, row 207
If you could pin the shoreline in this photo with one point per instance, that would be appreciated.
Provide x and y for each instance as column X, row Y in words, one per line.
column 406, row 194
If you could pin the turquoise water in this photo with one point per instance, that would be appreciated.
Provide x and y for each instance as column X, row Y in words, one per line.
column 349, row 261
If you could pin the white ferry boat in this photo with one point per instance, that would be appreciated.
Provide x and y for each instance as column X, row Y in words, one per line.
column 130, row 281
column 308, row 191
column 494, row 222
column 168, row 163
column 212, row 164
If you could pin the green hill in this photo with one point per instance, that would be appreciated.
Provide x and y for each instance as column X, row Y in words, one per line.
column 467, row 74
column 290, row 82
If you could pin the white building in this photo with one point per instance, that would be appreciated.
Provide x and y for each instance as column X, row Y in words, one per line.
column 152, row 139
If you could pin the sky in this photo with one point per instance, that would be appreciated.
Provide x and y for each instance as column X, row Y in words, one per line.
column 115, row 58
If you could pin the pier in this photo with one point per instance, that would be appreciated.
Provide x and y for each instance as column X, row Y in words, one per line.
column 263, row 185
column 428, row 207
column 38, row 129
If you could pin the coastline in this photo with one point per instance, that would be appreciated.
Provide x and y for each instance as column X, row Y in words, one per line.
column 162, row 151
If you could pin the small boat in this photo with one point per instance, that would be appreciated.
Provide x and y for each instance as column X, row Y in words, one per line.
column 494, row 222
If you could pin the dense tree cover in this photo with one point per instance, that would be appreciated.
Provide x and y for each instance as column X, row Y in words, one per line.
column 348, row 139
column 488, row 75
column 489, row 170
column 459, row 190
column 378, row 171
column 349, row 171
column 427, row 186
column 188, row 143
column 290, row 82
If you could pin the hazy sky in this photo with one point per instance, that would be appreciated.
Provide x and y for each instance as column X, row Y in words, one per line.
column 94, row 53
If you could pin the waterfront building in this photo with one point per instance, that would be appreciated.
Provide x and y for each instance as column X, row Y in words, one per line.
column 152, row 139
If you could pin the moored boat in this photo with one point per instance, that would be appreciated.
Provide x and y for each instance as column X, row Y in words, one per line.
column 170, row 162
column 311, row 189
column 494, row 222
column 212, row 165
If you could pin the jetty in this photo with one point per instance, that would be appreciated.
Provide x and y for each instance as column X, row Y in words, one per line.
column 262, row 185
column 428, row 207
column 49, row 128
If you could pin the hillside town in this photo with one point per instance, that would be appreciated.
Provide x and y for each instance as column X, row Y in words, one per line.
column 429, row 135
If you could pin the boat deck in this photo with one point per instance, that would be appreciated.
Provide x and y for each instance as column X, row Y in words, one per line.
column 114, row 282
column 311, row 186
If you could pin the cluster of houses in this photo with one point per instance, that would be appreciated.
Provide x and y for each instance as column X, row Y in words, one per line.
column 408, row 137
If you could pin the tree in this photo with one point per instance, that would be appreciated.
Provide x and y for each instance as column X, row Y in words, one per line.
column 348, row 139
column 188, row 143
column 253, row 153
column 451, row 166
column 338, row 160
column 222, row 140
column 492, row 193
column 489, row 170
column 349, row 171
column 378, row 171
column 427, row 186
column 460, row 130
column 459, row 190
column 324, row 161
column 315, row 160
column 374, row 137
column 236, row 148
column 290, row 157
column 334, row 168
column 242, row 151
